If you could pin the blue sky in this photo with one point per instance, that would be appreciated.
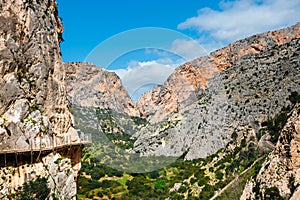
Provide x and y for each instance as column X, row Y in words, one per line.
column 89, row 22
column 115, row 34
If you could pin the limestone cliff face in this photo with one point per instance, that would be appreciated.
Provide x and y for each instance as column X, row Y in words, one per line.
column 240, row 98
column 33, row 105
column 281, row 170
column 181, row 88
column 91, row 86
column 190, row 79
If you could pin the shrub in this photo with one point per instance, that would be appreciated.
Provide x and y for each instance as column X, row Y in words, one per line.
column 109, row 184
column 275, row 125
column 34, row 190
column 294, row 97
column 234, row 135
column 160, row 184
column 219, row 175
column 97, row 174
column 272, row 193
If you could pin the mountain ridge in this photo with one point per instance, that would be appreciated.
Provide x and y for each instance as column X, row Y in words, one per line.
column 193, row 77
column 225, row 124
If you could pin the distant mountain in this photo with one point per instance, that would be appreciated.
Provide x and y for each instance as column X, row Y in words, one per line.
column 189, row 80
column 91, row 86
column 238, row 99
column 224, row 116
column 234, row 89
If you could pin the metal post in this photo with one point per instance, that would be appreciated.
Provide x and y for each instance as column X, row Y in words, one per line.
column 16, row 156
column 31, row 156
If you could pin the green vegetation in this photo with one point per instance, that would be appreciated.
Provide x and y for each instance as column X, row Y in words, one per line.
column 117, row 128
column 160, row 184
column 33, row 190
column 272, row 193
column 275, row 125
column 113, row 131
column 235, row 190
column 294, row 97
column 199, row 178
column 195, row 179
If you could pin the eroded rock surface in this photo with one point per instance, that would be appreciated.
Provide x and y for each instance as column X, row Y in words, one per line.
column 281, row 170
column 189, row 80
column 256, row 87
column 91, row 86
column 34, row 109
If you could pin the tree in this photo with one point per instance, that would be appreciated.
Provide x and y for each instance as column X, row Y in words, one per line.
column 219, row 175
column 34, row 190
column 272, row 193
column 160, row 184
column 294, row 97
column 97, row 174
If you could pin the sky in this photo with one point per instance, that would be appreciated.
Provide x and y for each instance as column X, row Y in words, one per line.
column 143, row 41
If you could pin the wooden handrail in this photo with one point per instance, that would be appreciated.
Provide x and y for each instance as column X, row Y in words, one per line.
column 55, row 143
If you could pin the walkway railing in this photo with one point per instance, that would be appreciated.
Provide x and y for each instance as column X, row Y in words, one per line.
column 46, row 143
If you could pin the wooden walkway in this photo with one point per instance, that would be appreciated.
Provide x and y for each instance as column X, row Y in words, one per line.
column 50, row 148
column 54, row 144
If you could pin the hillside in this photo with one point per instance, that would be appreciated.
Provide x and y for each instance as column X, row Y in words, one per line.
column 91, row 86
column 238, row 99
column 279, row 175
column 189, row 80
column 221, row 125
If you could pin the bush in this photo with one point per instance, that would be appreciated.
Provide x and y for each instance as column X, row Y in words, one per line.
column 109, row 184
column 219, row 175
column 203, row 180
column 182, row 189
column 275, row 125
column 34, row 190
column 294, row 97
column 97, row 174
column 234, row 135
column 272, row 193
column 193, row 180
column 160, row 184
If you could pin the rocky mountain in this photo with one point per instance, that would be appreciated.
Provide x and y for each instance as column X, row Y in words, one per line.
column 190, row 79
column 230, row 117
column 240, row 97
column 35, row 121
column 91, row 86
column 279, row 175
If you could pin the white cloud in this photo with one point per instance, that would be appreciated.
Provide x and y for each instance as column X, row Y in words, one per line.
column 140, row 75
column 189, row 49
column 242, row 18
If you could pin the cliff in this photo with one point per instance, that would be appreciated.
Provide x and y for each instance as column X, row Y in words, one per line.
column 190, row 79
column 280, row 173
column 91, row 86
column 34, row 113
column 238, row 99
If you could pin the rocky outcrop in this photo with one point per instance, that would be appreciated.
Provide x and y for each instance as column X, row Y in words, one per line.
column 256, row 87
column 281, row 171
column 181, row 89
column 61, row 169
column 34, row 110
column 188, row 81
column 91, row 86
